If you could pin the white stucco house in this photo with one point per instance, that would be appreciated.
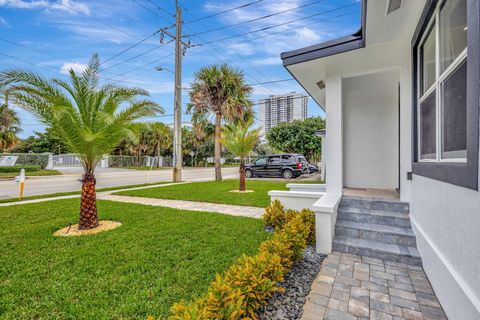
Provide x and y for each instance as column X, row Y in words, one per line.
column 401, row 98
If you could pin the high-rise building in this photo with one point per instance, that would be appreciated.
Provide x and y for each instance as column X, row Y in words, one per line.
column 281, row 108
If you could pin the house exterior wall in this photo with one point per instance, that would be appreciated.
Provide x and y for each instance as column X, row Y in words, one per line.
column 370, row 131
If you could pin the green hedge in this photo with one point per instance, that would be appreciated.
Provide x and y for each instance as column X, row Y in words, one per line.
column 38, row 159
column 252, row 280
column 17, row 168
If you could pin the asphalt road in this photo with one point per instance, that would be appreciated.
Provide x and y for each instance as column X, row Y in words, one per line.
column 110, row 177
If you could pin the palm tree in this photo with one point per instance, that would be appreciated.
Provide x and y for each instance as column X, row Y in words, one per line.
column 220, row 91
column 9, row 128
column 240, row 140
column 161, row 138
column 91, row 118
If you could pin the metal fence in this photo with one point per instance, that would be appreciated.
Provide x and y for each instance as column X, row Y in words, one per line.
column 66, row 160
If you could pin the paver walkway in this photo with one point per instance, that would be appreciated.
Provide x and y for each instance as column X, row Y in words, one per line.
column 351, row 287
column 233, row 210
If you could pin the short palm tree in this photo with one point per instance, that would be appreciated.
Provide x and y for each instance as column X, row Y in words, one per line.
column 220, row 91
column 92, row 119
column 240, row 140
column 9, row 128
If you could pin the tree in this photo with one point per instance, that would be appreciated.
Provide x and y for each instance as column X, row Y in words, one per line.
column 9, row 128
column 92, row 119
column 298, row 137
column 42, row 142
column 222, row 92
column 161, row 138
column 240, row 140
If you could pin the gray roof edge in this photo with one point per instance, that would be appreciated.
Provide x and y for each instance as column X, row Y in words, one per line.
column 328, row 48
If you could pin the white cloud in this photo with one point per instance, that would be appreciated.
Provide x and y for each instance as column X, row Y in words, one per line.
column 4, row 23
column 75, row 66
column 70, row 6
column 267, row 61
column 307, row 34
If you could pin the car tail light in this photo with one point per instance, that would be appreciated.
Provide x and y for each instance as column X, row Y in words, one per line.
column 299, row 165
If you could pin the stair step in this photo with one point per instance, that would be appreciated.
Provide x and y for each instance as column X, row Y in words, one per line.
column 375, row 204
column 397, row 219
column 378, row 250
column 376, row 232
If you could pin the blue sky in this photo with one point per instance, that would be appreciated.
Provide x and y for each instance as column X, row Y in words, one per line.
column 51, row 36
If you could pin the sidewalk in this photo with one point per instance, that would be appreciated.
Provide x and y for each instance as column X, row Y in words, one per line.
column 233, row 210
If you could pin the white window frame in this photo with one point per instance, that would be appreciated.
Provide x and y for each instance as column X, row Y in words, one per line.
column 436, row 86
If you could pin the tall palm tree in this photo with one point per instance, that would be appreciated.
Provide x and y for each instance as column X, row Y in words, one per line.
column 9, row 128
column 161, row 138
column 220, row 91
column 91, row 118
column 240, row 140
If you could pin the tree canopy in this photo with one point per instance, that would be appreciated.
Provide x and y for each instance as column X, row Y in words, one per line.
column 298, row 137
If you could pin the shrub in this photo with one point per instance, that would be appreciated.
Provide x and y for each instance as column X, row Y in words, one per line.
column 276, row 216
column 252, row 280
column 17, row 168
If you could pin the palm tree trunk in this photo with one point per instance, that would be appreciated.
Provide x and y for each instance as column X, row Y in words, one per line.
column 242, row 174
column 218, row 148
column 88, row 204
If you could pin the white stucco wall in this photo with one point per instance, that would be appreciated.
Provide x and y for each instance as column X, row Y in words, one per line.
column 370, row 131
column 446, row 221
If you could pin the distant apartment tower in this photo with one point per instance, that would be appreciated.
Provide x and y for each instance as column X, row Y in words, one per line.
column 281, row 108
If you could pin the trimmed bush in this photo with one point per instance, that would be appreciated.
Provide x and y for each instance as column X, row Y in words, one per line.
column 252, row 280
column 17, row 168
column 38, row 159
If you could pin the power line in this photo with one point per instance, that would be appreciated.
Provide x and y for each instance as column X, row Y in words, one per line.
column 277, row 25
column 259, row 18
column 150, row 10
column 132, row 46
column 62, row 3
column 161, row 9
column 222, row 12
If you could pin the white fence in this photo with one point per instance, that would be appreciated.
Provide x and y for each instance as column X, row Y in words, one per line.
column 65, row 160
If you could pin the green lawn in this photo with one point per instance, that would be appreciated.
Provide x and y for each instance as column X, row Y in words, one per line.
column 43, row 172
column 157, row 257
column 215, row 192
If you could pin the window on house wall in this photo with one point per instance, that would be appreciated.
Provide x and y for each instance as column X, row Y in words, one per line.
column 442, row 85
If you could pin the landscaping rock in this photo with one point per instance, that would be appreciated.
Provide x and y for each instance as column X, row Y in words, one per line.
column 289, row 305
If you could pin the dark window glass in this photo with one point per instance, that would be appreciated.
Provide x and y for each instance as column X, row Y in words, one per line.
column 454, row 115
column 427, row 63
column 261, row 161
column 428, row 128
column 276, row 159
column 288, row 158
column 453, row 31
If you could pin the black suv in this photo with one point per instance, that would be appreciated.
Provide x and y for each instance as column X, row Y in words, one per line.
column 278, row 165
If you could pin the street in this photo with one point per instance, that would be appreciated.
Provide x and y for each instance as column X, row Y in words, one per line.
column 108, row 177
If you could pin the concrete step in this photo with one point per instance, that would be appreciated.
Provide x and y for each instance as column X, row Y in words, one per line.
column 388, row 218
column 377, row 249
column 376, row 232
column 375, row 204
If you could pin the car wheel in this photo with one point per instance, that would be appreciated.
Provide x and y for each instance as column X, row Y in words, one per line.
column 248, row 173
column 287, row 174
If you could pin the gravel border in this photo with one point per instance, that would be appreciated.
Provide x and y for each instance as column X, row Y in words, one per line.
column 297, row 284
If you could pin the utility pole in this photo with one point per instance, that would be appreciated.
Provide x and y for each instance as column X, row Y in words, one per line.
column 177, row 123
column 180, row 49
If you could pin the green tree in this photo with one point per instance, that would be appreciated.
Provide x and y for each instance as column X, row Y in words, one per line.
column 161, row 138
column 92, row 119
column 222, row 92
column 42, row 142
column 240, row 140
column 9, row 128
column 298, row 137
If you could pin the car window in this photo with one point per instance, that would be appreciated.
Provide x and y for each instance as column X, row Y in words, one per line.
column 288, row 158
column 275, row 159
column 261, row 161
column 302, row 159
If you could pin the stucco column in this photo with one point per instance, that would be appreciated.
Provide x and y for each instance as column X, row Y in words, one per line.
column 334, row 139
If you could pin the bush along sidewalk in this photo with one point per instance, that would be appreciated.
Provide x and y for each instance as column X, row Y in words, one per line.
column 250, row 282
